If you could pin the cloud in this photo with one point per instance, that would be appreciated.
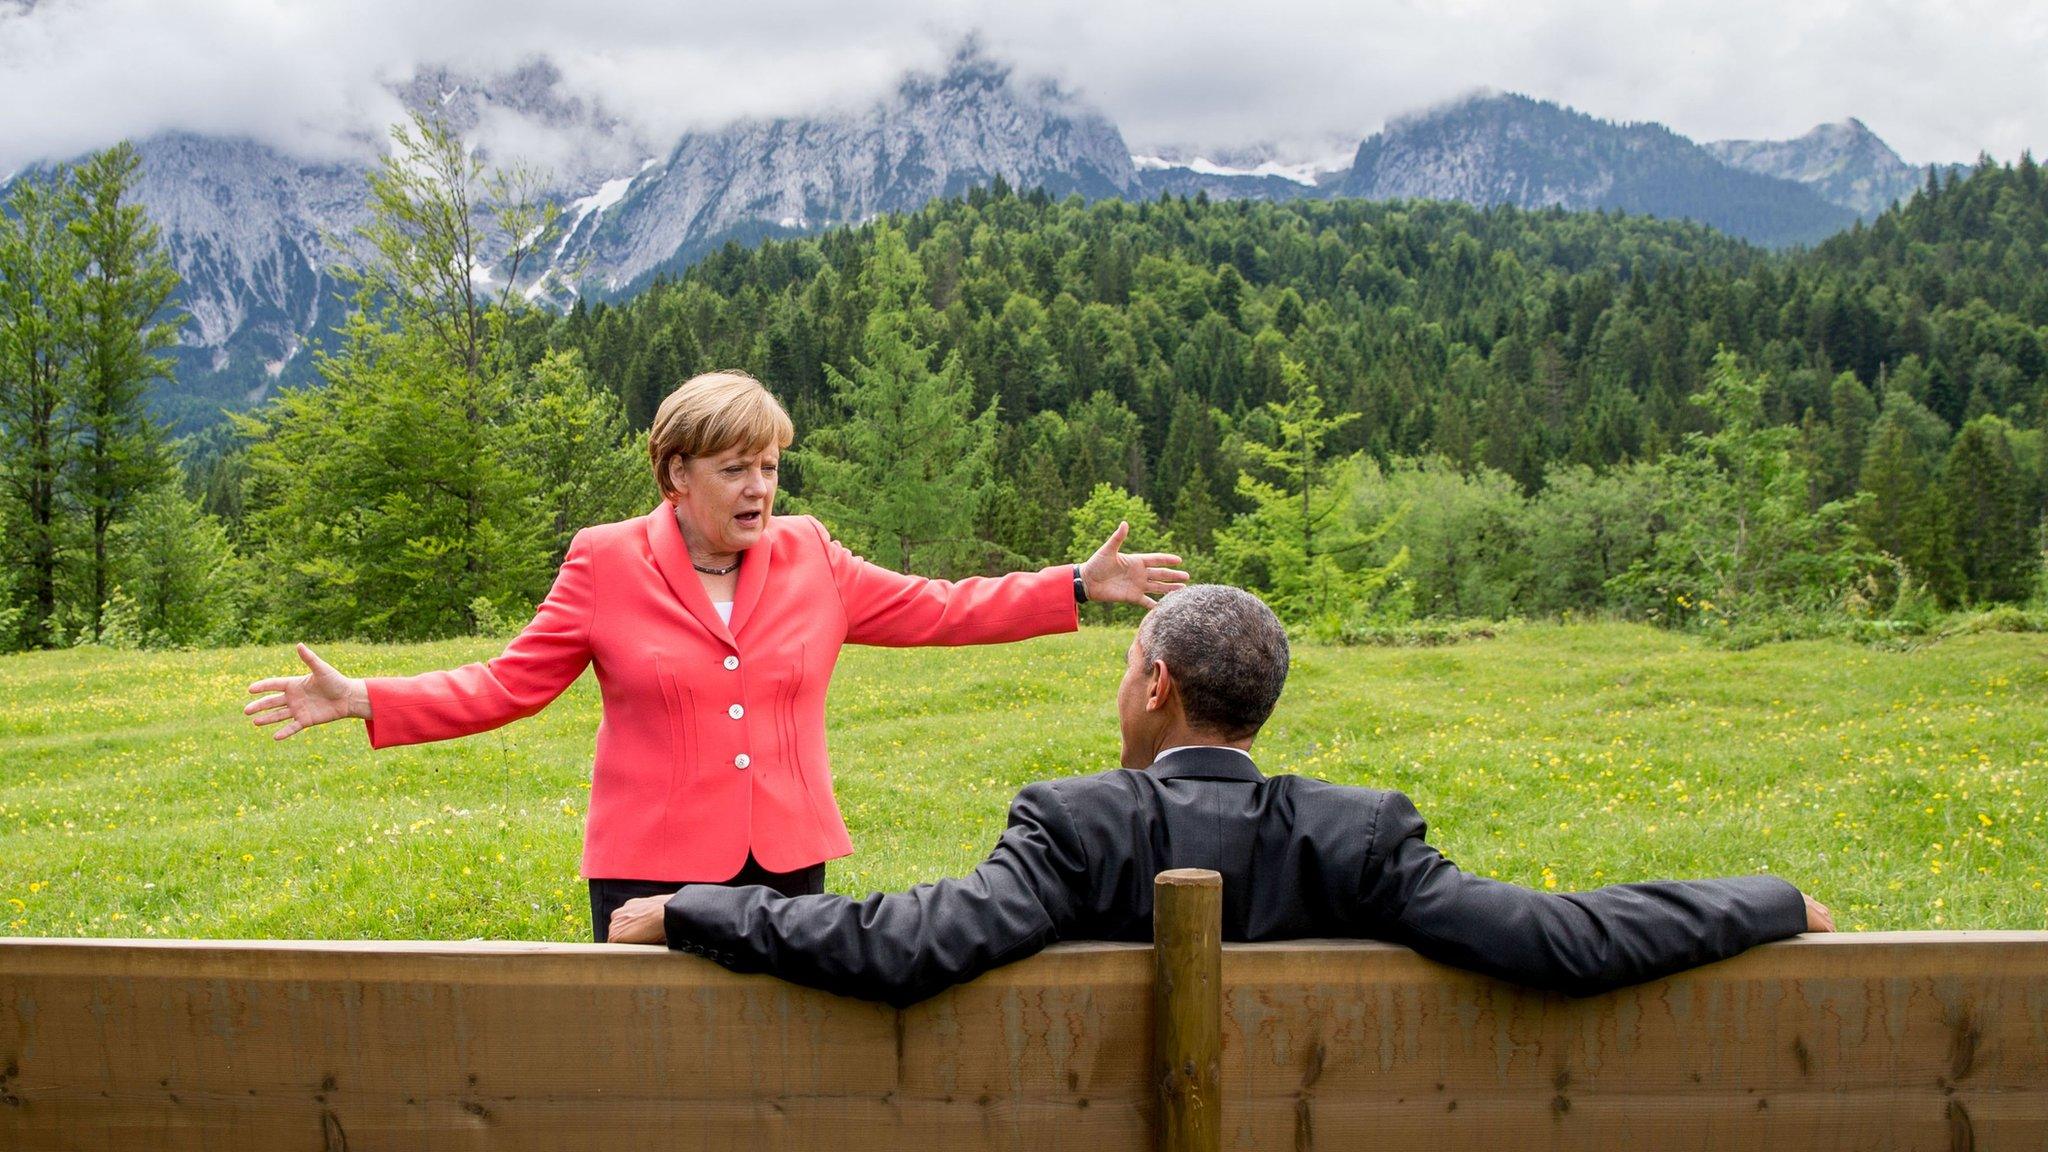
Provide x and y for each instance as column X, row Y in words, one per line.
column 1940, row 82
column 317, row 79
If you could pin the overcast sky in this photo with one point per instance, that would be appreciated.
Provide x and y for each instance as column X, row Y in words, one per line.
column 1938, row 81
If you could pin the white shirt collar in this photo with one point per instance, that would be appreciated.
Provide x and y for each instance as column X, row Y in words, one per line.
column 1165, row 752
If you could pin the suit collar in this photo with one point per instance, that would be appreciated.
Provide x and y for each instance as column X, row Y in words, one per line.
column 1206, row 763
column 672, row 557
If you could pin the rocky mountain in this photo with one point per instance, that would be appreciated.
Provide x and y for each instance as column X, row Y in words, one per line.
column 256, row 233
column 935, row 136
column 1845, row 163
column 1502, row 148
column 249, row 230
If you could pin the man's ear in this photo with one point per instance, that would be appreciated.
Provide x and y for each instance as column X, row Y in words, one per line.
column 1159, row 686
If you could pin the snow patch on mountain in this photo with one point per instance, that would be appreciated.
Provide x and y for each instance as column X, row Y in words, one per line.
column 1308, row 164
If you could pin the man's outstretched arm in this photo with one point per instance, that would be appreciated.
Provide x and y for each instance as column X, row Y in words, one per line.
column 1579, row 943
column 898, row 947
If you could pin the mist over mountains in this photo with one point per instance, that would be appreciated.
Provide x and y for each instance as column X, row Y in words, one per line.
column 255, row 232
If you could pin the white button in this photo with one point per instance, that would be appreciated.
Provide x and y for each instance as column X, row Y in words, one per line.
column 741, row 760
column 735, row 711
column 731, row 662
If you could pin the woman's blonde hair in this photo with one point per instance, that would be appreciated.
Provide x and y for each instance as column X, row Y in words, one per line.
column 711, row 413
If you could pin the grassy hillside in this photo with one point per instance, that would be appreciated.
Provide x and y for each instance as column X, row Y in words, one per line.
column 1906, row 789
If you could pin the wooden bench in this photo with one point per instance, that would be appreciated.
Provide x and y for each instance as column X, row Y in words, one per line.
column 1867, row 1041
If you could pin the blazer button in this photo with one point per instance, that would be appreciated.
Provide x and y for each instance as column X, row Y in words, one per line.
column 735, row 711
column 731, row 662
column 741, row 761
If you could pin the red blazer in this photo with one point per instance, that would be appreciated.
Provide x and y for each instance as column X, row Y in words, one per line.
column 712, row 742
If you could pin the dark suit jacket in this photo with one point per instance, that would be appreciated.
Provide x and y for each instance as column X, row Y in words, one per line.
column 1299, row 857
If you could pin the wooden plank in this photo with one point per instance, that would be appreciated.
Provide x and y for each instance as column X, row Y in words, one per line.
column 208, row 1045
column 1893, row 1040
column 1880, row 1041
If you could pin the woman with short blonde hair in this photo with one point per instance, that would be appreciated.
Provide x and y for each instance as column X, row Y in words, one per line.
column 711, row 412
column 713, row 627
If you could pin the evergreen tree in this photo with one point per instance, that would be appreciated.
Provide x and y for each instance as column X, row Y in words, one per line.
column 1289, row 314
column 794, row 364
column 1104, row 446
column 1512, row 443
column 903, row 475
column 126, row 286
column 1296, row 546
column 41, row 261
column 1106, row 507
column 175, row 564
column 1904, row 515
column 1305, row 556
column 656, row 370
column 569, row 438
column 1851, row 412
column 1196, row 515
column 1226, row 294
column 1192, row 439
column 1032, row 524
column 1991, row 526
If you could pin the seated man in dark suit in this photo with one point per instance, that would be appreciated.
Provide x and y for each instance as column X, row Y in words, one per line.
column 1299, row 857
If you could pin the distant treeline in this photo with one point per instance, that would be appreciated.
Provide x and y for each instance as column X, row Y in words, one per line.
column 1368, row 411
column 1533, row 393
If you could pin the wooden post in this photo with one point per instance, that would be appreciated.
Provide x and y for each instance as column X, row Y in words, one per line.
column 1187, row 1008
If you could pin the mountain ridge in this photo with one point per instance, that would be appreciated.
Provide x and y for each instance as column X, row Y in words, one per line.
column 1506, row 148
column 1844, row 161
column 255, row 232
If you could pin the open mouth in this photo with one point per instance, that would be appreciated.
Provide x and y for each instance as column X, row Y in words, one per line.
column 748, row 519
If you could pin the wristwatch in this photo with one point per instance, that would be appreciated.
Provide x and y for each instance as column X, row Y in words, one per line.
column 1080, row 589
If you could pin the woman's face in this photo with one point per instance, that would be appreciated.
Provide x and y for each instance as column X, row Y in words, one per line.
column 724, row 499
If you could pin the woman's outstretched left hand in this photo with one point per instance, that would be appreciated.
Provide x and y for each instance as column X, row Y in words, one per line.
column 1111, row 577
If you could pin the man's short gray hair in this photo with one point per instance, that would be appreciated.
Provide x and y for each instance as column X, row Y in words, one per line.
column 1227, row 652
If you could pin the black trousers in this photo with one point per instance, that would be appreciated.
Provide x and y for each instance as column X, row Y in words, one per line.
column 607, row 895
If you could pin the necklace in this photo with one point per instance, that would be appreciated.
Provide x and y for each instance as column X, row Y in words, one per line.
column 728, row 570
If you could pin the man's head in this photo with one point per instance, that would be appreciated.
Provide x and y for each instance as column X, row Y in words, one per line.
column 1206, row 667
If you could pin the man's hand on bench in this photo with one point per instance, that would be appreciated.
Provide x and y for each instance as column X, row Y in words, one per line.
column 639, row 921
column 1818, row 918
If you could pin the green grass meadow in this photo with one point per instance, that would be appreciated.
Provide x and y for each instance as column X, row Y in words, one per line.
column 1906, row 789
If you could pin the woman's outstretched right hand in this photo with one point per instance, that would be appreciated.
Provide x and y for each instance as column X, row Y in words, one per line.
column 300, row 702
